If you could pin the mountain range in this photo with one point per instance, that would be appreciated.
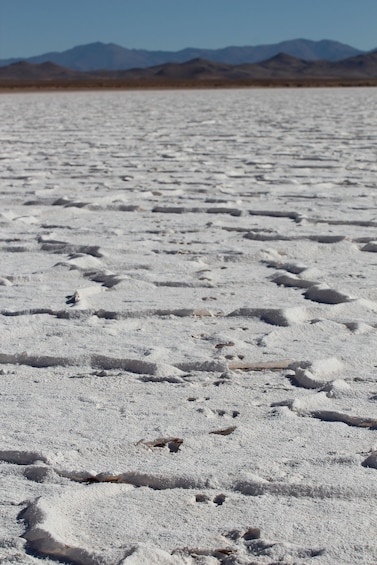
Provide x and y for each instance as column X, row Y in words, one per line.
column 281, row 67
column 113, row 57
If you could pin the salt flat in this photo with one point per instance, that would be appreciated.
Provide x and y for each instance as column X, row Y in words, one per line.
column 188, row 327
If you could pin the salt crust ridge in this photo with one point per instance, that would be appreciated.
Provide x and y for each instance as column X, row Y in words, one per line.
column 187, row 373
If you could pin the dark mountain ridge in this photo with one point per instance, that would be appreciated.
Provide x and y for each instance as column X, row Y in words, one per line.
column 114, row 57
column 278, row 68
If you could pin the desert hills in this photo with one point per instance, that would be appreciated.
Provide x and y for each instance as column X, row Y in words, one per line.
column 112, row 57
column 359, row 69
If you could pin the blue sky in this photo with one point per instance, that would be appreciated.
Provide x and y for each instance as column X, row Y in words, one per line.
column 32, row 27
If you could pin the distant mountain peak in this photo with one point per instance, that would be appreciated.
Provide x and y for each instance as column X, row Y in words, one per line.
column 284, row 57
column 280, row 67
column 110, row 56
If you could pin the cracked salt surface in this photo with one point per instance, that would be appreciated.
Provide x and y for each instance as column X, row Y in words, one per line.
column 188, row 312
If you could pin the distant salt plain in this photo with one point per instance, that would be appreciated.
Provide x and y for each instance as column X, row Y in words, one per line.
column 189, row 327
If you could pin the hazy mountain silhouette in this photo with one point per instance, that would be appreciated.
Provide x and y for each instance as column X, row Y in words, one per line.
column 278, row 68
column 114, row 57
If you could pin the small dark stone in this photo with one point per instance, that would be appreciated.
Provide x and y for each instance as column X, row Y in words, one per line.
column 251, row 533
column 234, row 535
column 201, row 498
column 371, row 461
column 219, row 499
